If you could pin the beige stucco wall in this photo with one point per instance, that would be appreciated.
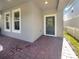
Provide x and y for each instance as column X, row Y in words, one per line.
column 31, row 22
column 60, row 11
column 60, row 23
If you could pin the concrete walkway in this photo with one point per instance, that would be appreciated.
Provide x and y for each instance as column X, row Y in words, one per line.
column 67, row 52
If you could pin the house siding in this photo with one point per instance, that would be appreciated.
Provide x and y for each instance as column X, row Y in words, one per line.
column 73, row 17
column 72, row 23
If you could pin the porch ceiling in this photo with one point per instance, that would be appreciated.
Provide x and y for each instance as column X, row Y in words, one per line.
column 52, row 4
column 4, row 4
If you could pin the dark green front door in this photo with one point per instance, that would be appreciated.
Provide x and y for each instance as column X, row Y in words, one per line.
column 50, row 25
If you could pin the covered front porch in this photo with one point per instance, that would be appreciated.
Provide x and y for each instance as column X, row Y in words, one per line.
column 44, row 47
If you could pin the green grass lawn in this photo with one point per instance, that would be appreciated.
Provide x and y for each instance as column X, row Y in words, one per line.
column 73, row 42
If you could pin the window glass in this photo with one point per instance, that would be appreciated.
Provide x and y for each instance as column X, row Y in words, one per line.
column 16, row 20
column 7, row 25
column 17, row 25
column 7, row 21
column 16, row 15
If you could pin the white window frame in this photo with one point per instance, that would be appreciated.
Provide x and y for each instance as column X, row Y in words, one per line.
column 5, row 29
column 14, row 30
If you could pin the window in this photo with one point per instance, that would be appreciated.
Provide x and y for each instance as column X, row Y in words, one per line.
column 16, row 20
column 7, row 21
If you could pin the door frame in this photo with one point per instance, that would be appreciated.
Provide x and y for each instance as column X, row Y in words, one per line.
column 45, row 24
